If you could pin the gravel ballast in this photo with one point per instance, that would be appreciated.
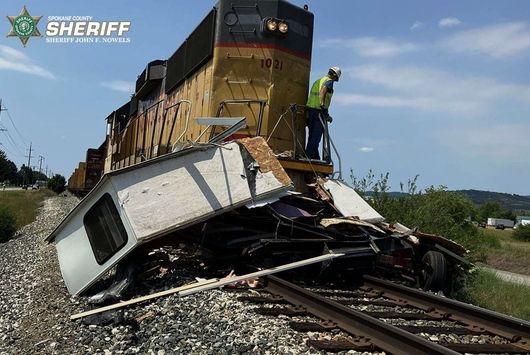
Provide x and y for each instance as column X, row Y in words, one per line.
column 35, row 308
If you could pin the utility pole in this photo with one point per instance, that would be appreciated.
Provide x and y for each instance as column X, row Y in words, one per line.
column 29, row 156
column 41, row 158
column 46, row 170
column 2, row 109
column 29, row 163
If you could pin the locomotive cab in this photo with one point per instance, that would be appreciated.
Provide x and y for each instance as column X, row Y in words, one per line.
column 245, row 60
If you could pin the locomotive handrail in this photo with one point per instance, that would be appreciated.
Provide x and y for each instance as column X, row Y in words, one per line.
column 224, row 103
column 229, row 131
column 135, row 144
column 129, row 122
column 325, row 144
column 339, row 159
column 230, row 30
column 188, row 113
column 146, row 109
column 154, row 130
column 336, row 151
column 325, row 147
column 230, row 56
column 249, row 81
column 236, row 6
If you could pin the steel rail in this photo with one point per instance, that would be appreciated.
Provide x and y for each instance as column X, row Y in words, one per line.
column 516, row 330
column 384, row 336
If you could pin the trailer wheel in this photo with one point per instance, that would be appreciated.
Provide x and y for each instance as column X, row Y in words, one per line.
column 434, row 273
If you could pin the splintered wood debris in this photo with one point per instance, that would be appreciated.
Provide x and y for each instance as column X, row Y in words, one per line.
column 210, row 284
column 261, row 152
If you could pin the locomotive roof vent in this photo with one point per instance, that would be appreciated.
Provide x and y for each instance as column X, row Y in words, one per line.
column 153, row 73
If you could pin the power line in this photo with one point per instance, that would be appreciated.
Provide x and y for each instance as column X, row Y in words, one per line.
column 4, row 148
column 12, row 141
column 4, row 129
column 24, row 141
column 1, row 109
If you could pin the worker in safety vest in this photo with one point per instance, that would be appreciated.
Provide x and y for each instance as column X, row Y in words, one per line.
column 317, row 107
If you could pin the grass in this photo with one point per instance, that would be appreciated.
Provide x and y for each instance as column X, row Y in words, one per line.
column 488, row 291
column 24, row 204
column 511, row 255
column 501, row 251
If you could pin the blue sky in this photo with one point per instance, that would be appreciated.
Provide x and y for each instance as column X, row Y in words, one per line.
column 439, row 89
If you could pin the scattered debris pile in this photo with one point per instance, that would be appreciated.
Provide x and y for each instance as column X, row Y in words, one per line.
column 236, row 204
column 35, row 307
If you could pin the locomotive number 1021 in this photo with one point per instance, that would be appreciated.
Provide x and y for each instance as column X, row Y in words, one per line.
column 272, row 63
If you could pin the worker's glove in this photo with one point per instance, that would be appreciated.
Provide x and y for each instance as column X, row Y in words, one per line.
column 329, row 119
column 323, row 111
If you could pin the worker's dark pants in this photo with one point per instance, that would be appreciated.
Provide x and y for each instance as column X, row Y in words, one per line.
column 315, row 133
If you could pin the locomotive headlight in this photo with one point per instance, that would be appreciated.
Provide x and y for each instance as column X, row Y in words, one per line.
column 283, row 27
column 272, row 25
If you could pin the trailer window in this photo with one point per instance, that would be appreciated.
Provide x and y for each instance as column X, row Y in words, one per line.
column 105, row 229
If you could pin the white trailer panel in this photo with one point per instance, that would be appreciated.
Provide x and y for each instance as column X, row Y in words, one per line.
column 151, row 199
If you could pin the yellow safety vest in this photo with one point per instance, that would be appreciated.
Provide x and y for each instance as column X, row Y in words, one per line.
column 314, row 95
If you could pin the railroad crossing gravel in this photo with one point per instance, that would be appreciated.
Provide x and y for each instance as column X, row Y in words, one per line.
column 35, row 308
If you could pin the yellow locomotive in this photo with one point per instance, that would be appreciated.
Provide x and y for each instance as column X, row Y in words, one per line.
column 243, row 72
column 246, row 68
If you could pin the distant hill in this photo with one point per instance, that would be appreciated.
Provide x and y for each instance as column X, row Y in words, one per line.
column 509, row 201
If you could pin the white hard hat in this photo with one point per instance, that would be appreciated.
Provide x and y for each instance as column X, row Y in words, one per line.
column 336, row 70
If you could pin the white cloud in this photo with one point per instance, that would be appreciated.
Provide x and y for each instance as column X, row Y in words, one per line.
column 448, row 22
column 506, row 143
column 372, row 47
column 119, row 85
column 502, row 40
column 366, row 149
column 378, row 101
column 12, row 59
column 417, row 25
column 431, row 90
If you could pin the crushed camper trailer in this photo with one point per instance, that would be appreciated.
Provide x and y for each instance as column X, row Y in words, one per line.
column 237, row 202
column 133, row 205
column 210, row 151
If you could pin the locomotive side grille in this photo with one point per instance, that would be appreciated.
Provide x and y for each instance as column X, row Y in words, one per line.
column 199, row 46
column 175, row 68
column 193, row 53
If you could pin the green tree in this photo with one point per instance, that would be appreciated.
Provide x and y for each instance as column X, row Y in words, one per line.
column 8, row 224
column 493, row 210
column 57, row 183
column 434, row 210
column 8, row 169
column 522, row 233
column 25, row 175
column 39, row 176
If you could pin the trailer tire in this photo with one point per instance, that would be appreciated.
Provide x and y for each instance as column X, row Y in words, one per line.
column 434, row 273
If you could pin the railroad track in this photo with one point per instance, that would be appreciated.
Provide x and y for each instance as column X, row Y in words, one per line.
column 368, row 314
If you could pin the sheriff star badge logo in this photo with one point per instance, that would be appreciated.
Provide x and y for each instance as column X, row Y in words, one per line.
column 24, row 26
